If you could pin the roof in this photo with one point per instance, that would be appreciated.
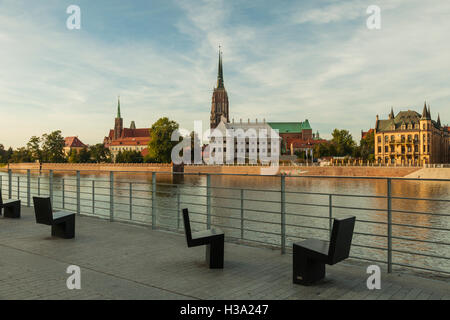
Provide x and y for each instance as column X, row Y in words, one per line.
column 132, row 133
column 302, row 143
column 138, row 141
column 74, row 142
column 403, row 117
column 365, row 133
column 290, row 127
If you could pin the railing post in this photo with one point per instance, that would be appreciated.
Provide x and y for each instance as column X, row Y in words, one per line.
column 78, row 192
column 18, row 187
column 111, row 196
column 28, row 188
column 93, row 197
column 389, row 218
column 330, row 215
column 283, row 214
column 131, row 201
column 39, row 185
column 208, row 201
column 242, row 214
column 153, row 200
column 50, row 186
column 178, row 207
column 9, row 183
column 63, row 193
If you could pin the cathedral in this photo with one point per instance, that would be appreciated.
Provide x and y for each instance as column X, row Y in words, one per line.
column 219, row 104
column 126, row 139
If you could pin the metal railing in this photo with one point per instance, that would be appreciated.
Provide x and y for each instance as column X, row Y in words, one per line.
column 282, row 212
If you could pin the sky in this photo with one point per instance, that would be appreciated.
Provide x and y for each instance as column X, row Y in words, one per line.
column 282, row 60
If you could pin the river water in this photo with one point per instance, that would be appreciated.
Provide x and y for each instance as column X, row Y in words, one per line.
column 307, row 209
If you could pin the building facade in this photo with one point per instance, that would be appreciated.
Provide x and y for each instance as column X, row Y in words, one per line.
column 410, row 138
column 122, row 139
column 73, row 143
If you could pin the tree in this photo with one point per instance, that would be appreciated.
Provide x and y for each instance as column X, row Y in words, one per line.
column 73, row 156
column 129, row 157
column 3, row 154
column 343, row 143
column 21, row 155
column 367, row 147
column 160, row 145
column 99, row 153
column 34, row 146
column 84, row 156
column 52, row 147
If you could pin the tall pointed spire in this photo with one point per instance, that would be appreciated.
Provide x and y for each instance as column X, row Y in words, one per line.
column 439, row 121
column 425, row 114
column 391, row 115
column 429, row 111
column 118, row 108
column 220, row 71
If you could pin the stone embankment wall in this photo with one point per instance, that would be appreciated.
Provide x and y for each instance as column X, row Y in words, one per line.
column 354, row 171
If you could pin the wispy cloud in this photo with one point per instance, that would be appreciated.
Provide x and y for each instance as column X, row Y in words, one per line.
column 283, row 62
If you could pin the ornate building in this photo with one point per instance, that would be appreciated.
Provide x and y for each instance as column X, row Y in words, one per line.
column 219, row 104
column 73, row 143
column 409, row 138
column 126, row 139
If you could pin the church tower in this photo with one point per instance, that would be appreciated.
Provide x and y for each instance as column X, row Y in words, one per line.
column 219, row 104
column 118, row 123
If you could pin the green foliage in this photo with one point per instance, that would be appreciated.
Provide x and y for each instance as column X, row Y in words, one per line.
column 367, row 147
column 129, row 157
column 160, row 146
column 52, row 147
column 21, row 155
column 34, row 146
column 343, row 142
column 99, row 153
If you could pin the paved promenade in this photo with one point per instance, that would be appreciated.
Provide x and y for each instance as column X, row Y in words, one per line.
column 122, row 261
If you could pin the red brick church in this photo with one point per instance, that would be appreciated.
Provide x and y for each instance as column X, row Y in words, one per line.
column 126, row 139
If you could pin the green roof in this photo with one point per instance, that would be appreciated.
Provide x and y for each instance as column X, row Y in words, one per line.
column 290, row 127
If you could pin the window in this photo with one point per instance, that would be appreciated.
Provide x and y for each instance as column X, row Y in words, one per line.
column 379, row 149
column 386, row 138
column 386, row 149
column 379, row 139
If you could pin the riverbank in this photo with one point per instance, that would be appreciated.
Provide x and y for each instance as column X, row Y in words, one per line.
column 352, row 171
column 430, row 173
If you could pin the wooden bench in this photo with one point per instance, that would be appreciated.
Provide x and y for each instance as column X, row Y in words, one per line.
column 63, row 223
column 213, row 239
column 11, row 207
column 310, row 256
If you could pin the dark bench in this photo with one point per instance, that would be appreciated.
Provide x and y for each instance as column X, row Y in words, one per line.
column 11, row 207
column 63, row 223
column 213, row 239
column 310, row 256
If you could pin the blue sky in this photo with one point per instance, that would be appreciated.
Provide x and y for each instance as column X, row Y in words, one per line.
column 283, row 61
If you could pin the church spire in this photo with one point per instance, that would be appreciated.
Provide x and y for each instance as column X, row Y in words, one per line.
column 439, row 121
column 220, row 71
column 425, row 112
column 118, row 108
column 391, row 115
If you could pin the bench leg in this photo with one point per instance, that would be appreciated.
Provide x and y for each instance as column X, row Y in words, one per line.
column 215, row 253
column 64, row 229
column 12, row 211
column 306, row 271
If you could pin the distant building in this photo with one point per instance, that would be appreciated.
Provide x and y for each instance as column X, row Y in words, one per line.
column 411, row 138
column 246, row 146
column 73, row 143
column 365, row 133
column 126, row 139
column 219, row 104
column 295, row 136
